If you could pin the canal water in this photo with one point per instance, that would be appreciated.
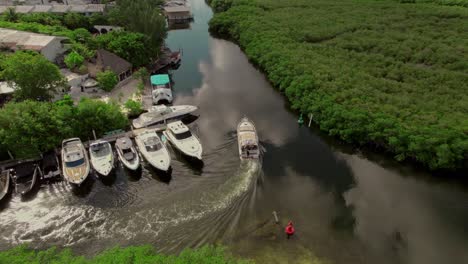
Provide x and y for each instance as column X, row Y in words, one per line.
column 347, row 207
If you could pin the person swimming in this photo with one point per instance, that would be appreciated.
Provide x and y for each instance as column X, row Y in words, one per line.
column 289, row 230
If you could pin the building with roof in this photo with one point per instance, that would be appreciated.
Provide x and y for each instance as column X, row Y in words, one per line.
column 178, row 13
column 106, row 60
column 49, row 46
column 87, row 9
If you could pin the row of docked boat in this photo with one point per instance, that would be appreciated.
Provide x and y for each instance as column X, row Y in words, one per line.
column 77, row 164
column 151, row 144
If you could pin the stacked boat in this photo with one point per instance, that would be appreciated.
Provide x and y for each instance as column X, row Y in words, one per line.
column 160, row 114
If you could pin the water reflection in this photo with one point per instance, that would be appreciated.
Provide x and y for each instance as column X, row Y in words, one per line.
column 417, row 221
column 229, row 92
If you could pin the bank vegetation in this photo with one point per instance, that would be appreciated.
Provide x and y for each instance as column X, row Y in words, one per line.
column 386, row 74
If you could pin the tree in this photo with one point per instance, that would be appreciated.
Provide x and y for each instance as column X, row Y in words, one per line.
column 73, row 60
column 134, row 108
column 100, row 116
column 134, row 47
column 31, row 75
column 75, row 20
column 30, row 127
column 107, row 80
column 10, row 15
column 142, row 16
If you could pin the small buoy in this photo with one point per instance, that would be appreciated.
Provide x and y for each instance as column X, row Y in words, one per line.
column 301, row 120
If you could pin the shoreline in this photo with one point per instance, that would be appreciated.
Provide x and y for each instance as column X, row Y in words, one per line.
column 226, row 25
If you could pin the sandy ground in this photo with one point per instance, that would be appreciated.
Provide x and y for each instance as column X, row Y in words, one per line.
column 119, row 94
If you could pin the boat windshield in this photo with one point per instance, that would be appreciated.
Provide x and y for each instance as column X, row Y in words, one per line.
column 75, row 163
column 155, row 147
column 100, row 151
column 183, row 135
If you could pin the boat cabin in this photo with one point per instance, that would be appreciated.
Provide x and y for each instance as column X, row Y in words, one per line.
column 160, row 81
column 74, row 156
column 179, row 130
column 125, row 145
column 100, row 149
column 153, row 144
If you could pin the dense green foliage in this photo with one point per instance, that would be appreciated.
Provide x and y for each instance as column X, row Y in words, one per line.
column 143, row 16
column 382, row 73
column 128, row 255
column 133, row 107
column 30, row 127
column 107, row 80
column 32, row 75
column 74, row 60
column 145, row 29
column 133, row 47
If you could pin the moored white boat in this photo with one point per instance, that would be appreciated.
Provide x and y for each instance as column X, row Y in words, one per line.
column 75, row 164
column 153, row 150
column 101, row 157
column 159, row 114
column 4, row 183
column 161, row 89
column 183, row 139
column 247, row 139
column 127, row 153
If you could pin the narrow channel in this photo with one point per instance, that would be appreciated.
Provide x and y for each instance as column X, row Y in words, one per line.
column 347, row 207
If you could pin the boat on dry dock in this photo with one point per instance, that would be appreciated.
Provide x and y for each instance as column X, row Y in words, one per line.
column 159, row 114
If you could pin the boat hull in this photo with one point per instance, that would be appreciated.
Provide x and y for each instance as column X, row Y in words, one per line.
column 105, row 164
column 134, row 165
column 4, row 183
column 159, row 159
column 179, row 112
column 247, row 135
column 196, row 152
column 77, row 174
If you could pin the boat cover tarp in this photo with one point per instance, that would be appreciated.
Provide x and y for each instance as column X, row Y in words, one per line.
column 160, row 79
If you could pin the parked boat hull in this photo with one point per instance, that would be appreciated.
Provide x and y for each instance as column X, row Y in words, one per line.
column 159, row 159
column 103, row 165
column 75, row 174
column 4, row 183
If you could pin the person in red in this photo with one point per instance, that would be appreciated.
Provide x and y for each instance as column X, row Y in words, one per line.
column 289, row 229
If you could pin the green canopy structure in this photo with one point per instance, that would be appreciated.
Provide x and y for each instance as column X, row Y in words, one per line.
column 160, row 79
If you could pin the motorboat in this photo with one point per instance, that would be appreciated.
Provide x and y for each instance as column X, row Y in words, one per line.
column 4, row 183
column 183, row 139
column 25, row 177
column 127, row 153
column 247, row 139
column 101, row 157
column 153, row 150
column 50, row 165
column 75, row 164
column 161, row 89
column 159, row 114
